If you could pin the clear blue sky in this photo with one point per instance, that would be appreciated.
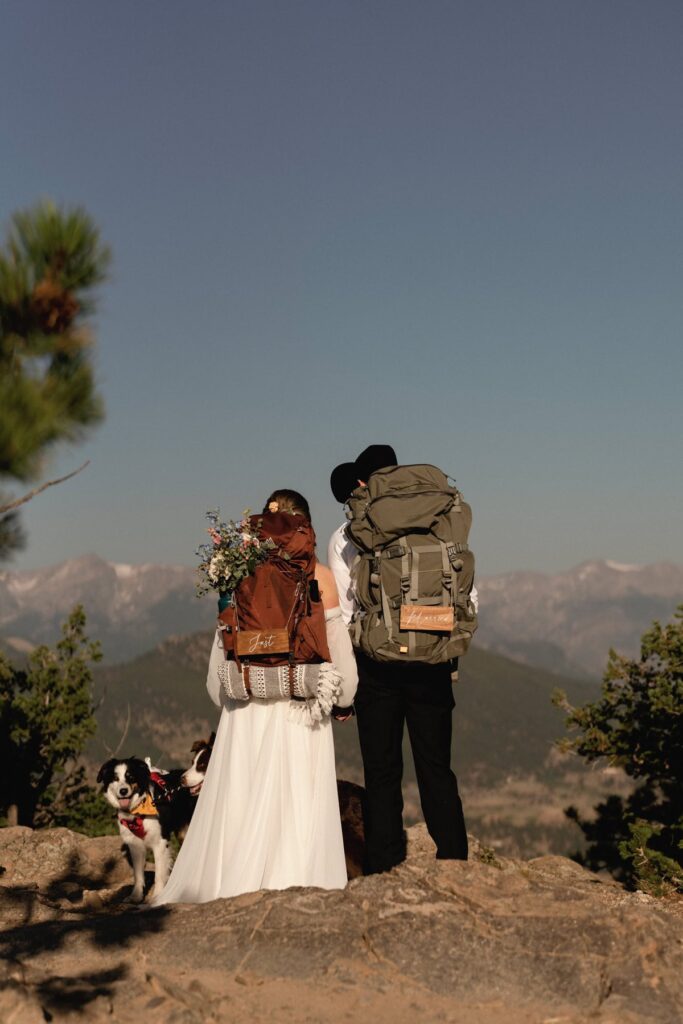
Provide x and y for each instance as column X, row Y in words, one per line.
column 456, row 227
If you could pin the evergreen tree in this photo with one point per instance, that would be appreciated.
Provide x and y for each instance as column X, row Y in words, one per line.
column 637, row 724
column 46, row 718
column 51, row 262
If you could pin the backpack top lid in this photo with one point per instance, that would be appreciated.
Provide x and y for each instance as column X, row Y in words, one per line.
column 293, row 536
column 398, row 500
column 418, row 477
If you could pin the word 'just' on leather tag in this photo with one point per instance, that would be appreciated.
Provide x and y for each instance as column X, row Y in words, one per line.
column 426, row 619
column 262, row 641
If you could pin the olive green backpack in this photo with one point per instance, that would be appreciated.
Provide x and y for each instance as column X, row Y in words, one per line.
column 415, row 572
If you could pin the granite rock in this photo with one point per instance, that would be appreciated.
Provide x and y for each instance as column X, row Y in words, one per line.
column 491, row 940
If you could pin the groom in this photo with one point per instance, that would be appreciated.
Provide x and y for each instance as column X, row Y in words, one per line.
column 388, row 697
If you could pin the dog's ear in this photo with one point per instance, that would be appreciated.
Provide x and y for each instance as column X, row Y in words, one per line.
column 212, row 739
column 139, row 770
column 105, row 768
column 197, row 745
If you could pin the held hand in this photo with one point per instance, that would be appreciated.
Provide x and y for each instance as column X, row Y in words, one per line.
column 342, row 714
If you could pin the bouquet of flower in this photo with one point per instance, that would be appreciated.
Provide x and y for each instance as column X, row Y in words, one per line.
column 233, row 553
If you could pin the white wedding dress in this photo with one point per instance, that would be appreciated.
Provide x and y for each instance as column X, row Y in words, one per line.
column 267, row 815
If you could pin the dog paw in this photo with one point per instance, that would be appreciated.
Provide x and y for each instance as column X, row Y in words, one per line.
column 136, row 896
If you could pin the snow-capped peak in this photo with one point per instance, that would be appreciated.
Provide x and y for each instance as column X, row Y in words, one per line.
column 123, row 572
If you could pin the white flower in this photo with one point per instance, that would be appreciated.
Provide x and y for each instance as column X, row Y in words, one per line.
column 215, row 568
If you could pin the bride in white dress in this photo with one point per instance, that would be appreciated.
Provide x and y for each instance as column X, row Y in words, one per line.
column 267, row 815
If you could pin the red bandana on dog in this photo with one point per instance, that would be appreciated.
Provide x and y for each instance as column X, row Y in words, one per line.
column 136, row 825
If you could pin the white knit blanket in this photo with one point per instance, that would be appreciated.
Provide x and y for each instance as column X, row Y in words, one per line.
column 316, row 686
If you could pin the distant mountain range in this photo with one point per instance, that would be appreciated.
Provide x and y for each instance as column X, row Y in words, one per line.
column 568, row 621
column 130, row 608
column 565, row 622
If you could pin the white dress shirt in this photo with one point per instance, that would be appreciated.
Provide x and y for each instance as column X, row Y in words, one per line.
column 340, row 555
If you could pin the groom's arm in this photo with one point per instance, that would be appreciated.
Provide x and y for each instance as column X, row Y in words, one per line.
column 340, row 554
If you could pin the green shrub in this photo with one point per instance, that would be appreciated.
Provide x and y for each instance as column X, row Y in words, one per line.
column 637, row 724
column 46, row 717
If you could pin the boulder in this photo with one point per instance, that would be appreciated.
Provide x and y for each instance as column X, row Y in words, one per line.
column 60, row 861
column 491, row 941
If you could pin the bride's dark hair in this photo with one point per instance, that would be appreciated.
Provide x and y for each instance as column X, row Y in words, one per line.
column 289, row 501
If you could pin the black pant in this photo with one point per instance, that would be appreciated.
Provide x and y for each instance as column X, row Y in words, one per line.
column 421, row 695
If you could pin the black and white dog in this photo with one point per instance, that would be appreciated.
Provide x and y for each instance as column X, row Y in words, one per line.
column 128, row 786
column 151, row 805
column 194, row 776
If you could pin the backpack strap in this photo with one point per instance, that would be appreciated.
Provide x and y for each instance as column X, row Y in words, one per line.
column 409, row 587
column 456, row 564
column 386, row 606
column 449, row 578
column 291, row 675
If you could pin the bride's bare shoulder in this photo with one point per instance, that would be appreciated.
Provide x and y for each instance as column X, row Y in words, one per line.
column 327, row 585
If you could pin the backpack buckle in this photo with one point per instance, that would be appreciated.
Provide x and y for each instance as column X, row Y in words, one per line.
column 453, row 550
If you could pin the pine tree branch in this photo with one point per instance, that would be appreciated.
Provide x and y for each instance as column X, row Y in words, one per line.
column 115, row 753
column 68, row 774
column 38, row 490
column 124, row 733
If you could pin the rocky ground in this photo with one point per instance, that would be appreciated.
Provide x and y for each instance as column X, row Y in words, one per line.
column 492, row 941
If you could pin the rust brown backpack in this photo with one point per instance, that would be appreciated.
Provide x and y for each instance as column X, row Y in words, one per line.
column 276, row 617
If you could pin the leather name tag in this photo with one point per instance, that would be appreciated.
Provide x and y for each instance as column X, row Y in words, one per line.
column 265, row 641
column 426, row 619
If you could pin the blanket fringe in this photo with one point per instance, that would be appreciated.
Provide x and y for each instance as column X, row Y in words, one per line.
column 312, row 711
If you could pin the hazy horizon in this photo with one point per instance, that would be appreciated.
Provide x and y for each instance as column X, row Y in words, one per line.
column 8, row 568
column 455, row 228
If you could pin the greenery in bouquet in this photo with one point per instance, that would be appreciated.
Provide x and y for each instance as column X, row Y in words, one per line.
column 234, row 552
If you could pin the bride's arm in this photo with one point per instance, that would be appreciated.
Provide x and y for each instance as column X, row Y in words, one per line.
column 341, row 652
column 213, row 683
column 338, row 639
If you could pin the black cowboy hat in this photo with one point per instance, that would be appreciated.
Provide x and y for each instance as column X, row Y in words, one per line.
column 374, row 457
column 343, row 480
column 345, row 477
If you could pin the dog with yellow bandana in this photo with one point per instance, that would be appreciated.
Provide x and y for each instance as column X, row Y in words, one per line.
column 150, row 805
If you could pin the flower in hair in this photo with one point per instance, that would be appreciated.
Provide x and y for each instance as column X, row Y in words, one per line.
column 273, row 506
